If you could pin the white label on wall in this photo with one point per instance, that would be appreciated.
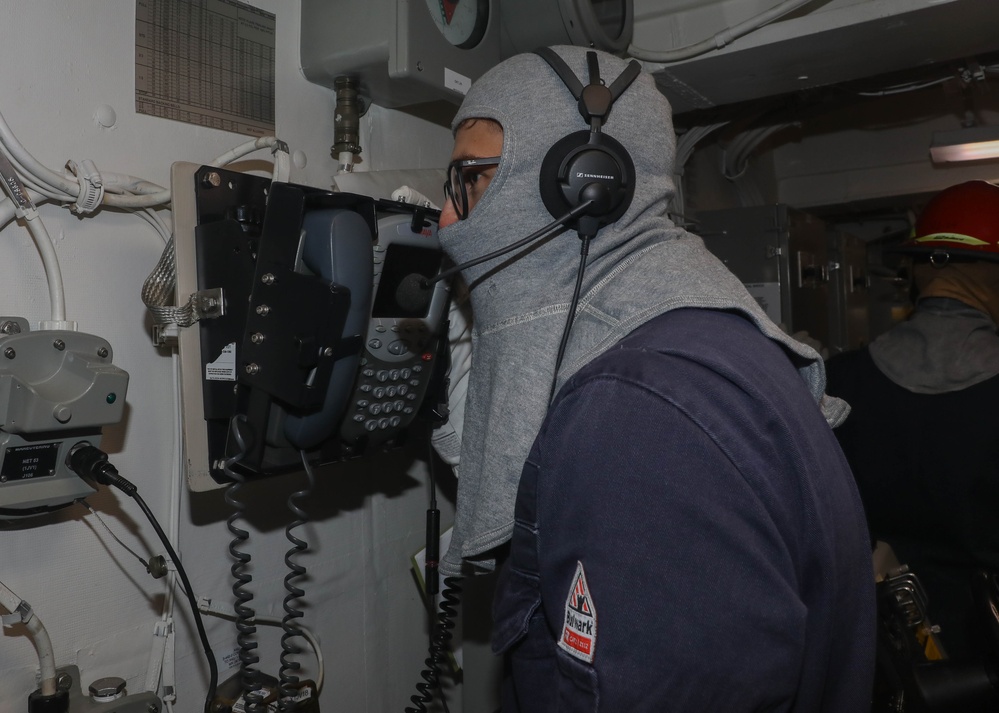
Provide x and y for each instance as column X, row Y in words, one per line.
column 458, row 82
column 230, row 660
column 223, row 368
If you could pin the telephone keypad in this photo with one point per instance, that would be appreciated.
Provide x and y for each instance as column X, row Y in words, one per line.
column 386, row 395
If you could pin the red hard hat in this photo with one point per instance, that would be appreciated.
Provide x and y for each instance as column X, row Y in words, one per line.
column 960, row 221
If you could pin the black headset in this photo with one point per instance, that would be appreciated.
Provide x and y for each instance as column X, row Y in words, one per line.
column 589, row 165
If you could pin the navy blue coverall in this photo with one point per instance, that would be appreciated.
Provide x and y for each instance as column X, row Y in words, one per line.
column 688, row 475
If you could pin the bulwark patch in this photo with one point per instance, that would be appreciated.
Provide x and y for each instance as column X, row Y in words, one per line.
column 579, row 628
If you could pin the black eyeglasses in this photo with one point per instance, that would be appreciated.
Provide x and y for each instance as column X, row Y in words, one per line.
column 457, row 178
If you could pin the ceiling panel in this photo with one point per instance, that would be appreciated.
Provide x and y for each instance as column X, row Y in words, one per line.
column 831, row 47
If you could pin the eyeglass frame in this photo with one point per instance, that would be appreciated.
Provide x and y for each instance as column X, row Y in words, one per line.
column 455, row 169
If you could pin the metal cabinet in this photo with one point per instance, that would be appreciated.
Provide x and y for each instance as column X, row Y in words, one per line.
column 805, row 277
column 849, row 293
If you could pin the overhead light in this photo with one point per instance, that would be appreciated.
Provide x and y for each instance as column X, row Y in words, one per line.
column 973, row 144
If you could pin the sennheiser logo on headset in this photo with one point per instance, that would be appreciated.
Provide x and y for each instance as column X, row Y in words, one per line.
column 580, row 174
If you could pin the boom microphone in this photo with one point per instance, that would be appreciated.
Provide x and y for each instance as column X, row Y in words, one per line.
column 425, row 283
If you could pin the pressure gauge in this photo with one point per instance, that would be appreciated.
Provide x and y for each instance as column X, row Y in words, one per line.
column 462, row 22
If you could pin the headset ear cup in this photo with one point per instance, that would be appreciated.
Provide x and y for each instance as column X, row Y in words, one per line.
column 574, row 171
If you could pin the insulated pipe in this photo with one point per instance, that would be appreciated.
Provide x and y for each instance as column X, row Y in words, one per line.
column 20, row 155
column 282, row 164
column 149, row 193
column 720, row 39
column 46, row 657
column 53, row 272
column 50, row 261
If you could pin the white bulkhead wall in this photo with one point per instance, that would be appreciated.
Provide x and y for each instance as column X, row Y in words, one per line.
column 67, row 62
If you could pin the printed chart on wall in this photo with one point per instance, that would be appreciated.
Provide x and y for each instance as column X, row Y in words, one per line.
column 206, row 62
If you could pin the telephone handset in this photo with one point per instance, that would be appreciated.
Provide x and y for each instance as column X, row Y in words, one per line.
column 323, row 345
column 404, row 334
column 377, row 392
column 336, row 245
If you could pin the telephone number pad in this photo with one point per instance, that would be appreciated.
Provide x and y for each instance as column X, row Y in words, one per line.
column 387, row 397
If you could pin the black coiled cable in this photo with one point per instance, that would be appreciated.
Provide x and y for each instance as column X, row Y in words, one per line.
column 288, row 680
column 439, row 646
column 91, row 462
column 245, row 629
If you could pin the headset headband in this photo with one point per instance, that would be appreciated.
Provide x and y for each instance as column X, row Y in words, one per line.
column 594, row 100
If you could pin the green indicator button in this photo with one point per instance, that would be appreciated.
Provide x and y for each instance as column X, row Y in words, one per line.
column 112, row 397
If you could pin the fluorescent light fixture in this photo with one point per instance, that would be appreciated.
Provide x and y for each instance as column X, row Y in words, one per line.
column 972, row 144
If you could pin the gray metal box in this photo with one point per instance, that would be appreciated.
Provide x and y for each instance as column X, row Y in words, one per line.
column 782, row 256
column 394, row 48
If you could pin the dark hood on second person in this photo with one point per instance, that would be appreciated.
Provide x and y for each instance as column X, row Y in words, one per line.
column 638, row 267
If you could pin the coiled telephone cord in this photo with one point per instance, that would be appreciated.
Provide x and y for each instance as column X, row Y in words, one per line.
column 439, row 646
column 288, row 680
column 245, row 628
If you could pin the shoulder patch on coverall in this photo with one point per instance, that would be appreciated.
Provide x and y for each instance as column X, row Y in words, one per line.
column 579, row 627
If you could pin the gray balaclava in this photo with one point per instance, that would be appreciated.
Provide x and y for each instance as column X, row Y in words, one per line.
column 639, row 267
column 944, row 346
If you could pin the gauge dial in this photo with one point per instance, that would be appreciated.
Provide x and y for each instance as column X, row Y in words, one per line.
column 461, row 22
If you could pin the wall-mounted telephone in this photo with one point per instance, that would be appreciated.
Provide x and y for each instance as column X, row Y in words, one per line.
column 323, row 341
column 404, row 333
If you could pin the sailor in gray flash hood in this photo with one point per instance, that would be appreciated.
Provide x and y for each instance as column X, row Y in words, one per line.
column 638, row 267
